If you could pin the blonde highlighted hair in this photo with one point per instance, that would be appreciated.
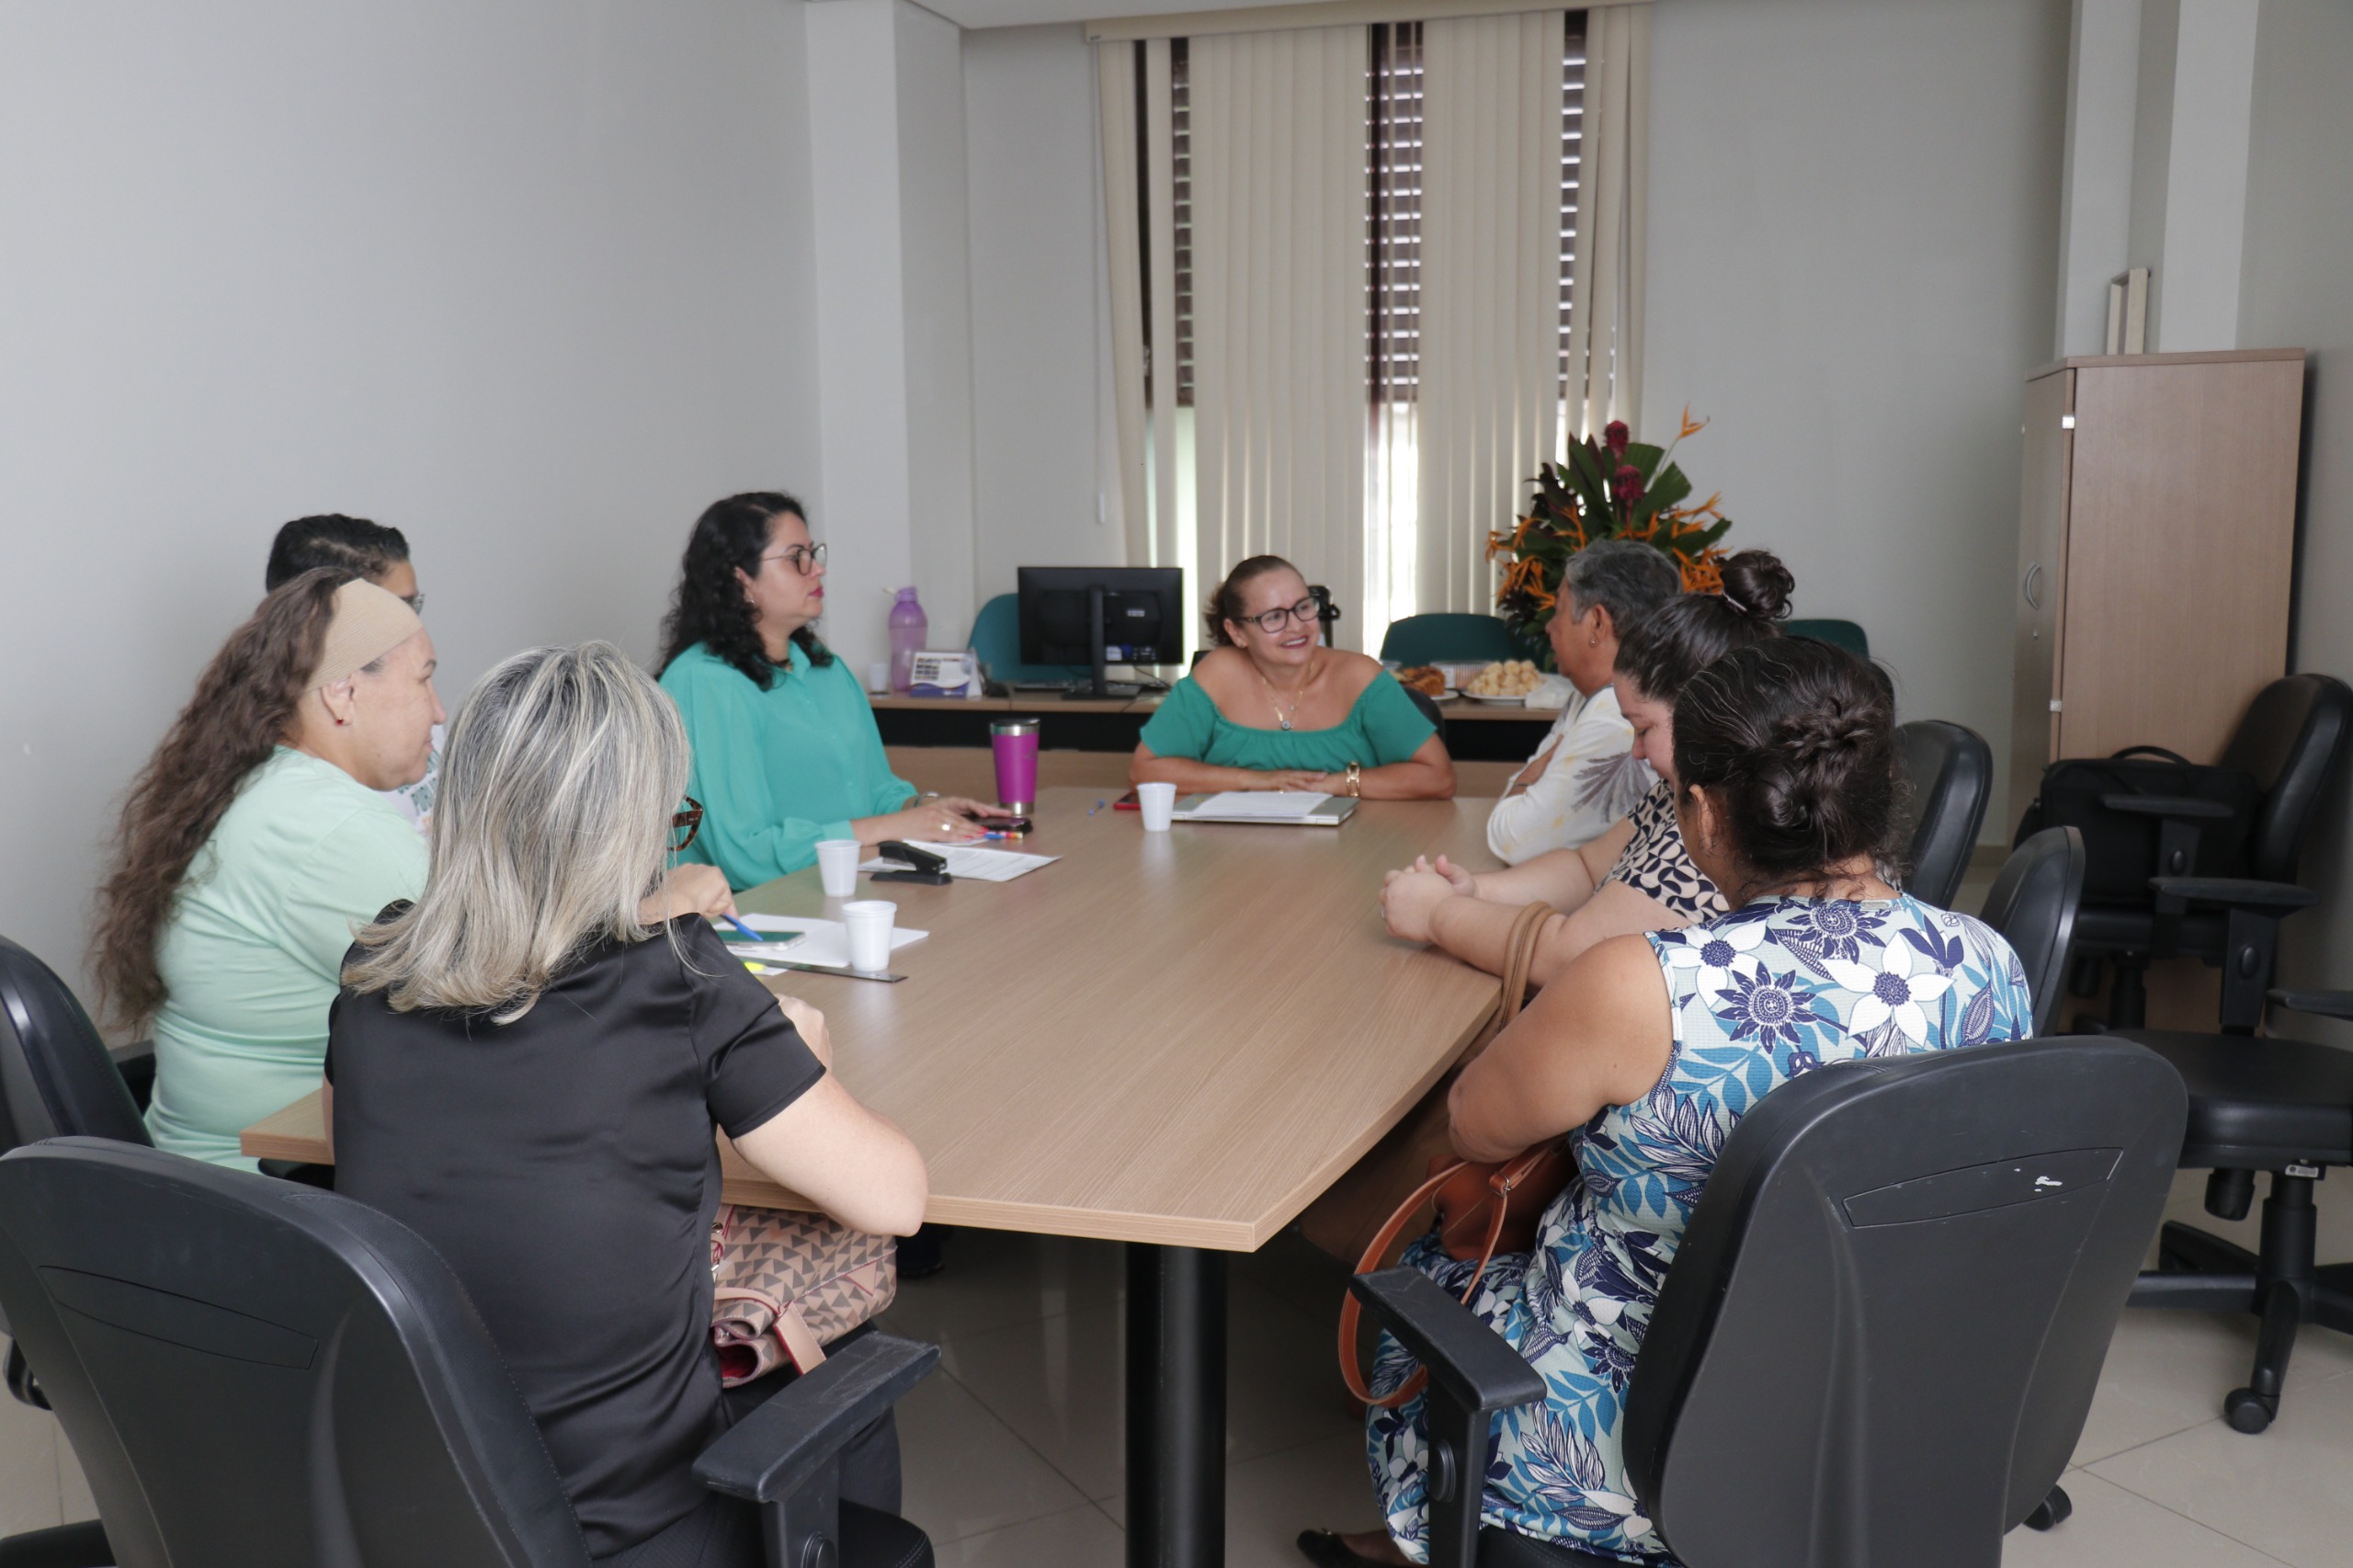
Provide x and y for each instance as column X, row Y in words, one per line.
column 552, row 823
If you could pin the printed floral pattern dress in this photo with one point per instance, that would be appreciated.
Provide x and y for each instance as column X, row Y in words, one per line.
column 1759, row 996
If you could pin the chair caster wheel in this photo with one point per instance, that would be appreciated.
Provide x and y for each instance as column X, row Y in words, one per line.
column 2248, row 1411
column 2051, row 1510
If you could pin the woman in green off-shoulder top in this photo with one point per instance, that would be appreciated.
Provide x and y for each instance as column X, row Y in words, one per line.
column 1271, row 709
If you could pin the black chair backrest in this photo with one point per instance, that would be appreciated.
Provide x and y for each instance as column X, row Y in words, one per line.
column 254, row 1371
column 1880, row 1338
column 56, row 1079
column 2033, row 905
column 1428, row 707
column 1947, row 770
column 2288, row 740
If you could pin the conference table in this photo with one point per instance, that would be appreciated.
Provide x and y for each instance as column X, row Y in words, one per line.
column 1175, row 1040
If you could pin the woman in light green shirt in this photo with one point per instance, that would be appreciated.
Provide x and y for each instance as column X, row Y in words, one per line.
column 255, row 842
column 786, row 752
column 1270, row 708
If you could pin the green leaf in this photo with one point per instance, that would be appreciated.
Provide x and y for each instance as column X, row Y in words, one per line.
column 1670, row 487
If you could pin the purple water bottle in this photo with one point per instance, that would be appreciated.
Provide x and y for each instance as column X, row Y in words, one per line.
column 910, row 628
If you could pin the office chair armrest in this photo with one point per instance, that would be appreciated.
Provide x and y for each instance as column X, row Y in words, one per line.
column 2237, row 892
column 766, row 1457
column 1467, row 1360
column 2181, row 807
column 2319, row 1003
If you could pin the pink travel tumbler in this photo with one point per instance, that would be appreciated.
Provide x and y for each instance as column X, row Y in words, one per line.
column 1014, row 742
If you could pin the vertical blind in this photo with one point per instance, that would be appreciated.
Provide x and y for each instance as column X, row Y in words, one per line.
column 1477, row 347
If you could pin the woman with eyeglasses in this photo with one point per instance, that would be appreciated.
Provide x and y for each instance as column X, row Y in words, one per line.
column 1270, row 707
column 786, row 751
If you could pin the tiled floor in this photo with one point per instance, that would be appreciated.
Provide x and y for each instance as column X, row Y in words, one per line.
column 1013, row 1449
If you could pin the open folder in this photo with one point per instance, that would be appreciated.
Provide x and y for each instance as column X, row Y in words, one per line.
column 1292, row 807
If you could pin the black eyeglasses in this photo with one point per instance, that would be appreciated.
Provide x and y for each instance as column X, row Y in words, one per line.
column 415, row 601
column 685, row 825
column 1273, row 620
column 803, row 558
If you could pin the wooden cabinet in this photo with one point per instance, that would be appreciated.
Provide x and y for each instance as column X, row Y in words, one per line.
column 2157, row 540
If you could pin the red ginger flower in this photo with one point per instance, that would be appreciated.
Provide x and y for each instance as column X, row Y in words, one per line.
column 1614, row 436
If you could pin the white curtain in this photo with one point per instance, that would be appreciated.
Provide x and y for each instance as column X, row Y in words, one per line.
column 1490, row 290
column 1141, row 245
column 1280, row 385
column 1604, row 377
column 1115, row 97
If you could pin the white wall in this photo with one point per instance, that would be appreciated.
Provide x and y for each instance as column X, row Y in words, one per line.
column 1853, row 250
column 1038, row 341
column 529, row 281
column 2299, row 259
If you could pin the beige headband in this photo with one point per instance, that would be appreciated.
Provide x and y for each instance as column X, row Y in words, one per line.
column 369, row 623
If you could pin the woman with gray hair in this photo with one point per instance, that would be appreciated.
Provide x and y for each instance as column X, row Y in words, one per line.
column 527, row 1074
column 1585, row 776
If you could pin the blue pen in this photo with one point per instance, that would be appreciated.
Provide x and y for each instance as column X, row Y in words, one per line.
column 1097, row 807
column 746, row 929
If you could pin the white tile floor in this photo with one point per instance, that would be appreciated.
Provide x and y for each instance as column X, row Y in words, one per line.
column 1013, row 1449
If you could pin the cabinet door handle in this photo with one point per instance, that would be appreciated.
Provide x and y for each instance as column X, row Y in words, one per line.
column 2032, row 584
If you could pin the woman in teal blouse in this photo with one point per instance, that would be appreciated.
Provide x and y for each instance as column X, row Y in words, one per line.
column 1272, row 709
column 785, row 748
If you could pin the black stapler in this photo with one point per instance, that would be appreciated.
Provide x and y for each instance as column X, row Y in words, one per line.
column 919, row 864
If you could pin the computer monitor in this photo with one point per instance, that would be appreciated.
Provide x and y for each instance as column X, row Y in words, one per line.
column 1101, row 614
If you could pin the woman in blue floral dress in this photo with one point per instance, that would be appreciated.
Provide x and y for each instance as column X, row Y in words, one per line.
column 1650, row 1047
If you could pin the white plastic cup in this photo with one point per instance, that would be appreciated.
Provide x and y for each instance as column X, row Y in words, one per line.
column 1158, row 801
column 837, row 866
column 877, row 677
column 869, row 921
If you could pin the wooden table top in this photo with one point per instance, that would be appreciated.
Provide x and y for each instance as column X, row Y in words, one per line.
column 1177, row 1038
column 1047, row 704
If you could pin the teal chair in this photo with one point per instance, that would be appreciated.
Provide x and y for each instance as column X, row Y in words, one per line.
column 1837, row 633
column 1450, row 638
column 996, row 638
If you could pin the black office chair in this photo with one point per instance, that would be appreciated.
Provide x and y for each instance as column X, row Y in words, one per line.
column 2288, row 741
column 2282, row 1106
column 1428, row 707
column 56, row 1078
column 2033, row 903
column 1948, row 774
column 1880, row 1338
column 256, row 1372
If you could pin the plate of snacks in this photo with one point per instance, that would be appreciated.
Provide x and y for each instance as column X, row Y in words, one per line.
column 1427, row 680
column 1505, row 683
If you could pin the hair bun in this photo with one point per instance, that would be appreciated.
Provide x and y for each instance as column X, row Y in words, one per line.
column 1756, row 584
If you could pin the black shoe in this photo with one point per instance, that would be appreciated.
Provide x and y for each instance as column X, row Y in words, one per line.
column 1328, row 1551
column 920, row 1255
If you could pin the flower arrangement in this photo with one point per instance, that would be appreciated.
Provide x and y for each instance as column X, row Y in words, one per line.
column 1610, row 488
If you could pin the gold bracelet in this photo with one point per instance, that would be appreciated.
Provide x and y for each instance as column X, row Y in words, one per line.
column 1355, row 781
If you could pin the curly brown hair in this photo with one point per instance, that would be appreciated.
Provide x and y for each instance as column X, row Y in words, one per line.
column 244, row 705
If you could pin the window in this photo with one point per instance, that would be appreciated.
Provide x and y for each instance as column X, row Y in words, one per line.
column 1392, row 337
column 1395, row 260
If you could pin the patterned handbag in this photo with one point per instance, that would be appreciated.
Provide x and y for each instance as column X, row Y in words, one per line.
column 786, row 1284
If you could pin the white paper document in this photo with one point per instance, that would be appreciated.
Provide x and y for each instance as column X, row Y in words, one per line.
column 804, row 939
column 1275, row 805
column 970, row 862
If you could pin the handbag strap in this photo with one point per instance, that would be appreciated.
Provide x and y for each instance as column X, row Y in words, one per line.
column 2150, row 750
column 1519, row 956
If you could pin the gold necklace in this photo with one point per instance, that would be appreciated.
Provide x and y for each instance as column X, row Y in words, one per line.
column 1275, row 695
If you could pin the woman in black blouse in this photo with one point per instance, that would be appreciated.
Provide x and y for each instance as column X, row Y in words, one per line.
column 527, row 1074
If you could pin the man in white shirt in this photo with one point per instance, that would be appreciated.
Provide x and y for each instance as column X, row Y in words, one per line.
column 1584, row 778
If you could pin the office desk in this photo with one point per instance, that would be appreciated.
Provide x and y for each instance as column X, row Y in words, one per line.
column 1174, row 1040
column 1475, row 731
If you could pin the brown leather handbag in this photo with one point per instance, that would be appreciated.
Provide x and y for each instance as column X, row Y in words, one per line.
column 1482, row 1209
